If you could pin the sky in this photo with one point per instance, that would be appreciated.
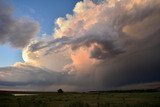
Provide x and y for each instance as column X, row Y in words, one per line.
column 79, row 45
column 35, row 10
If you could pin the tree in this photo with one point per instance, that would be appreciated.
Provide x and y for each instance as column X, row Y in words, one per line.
column 60, row 91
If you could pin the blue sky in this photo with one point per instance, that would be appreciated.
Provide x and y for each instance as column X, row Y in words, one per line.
column 9, row 55
column 43, row 11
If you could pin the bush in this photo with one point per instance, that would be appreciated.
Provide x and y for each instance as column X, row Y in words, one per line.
column 60, row 91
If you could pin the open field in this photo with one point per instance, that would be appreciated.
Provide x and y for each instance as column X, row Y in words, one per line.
column 91, row 99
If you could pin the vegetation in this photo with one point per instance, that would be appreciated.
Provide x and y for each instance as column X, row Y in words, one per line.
column 90, row 99
column 60, row 91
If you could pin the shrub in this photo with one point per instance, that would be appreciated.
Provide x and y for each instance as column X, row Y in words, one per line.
column 60, row 91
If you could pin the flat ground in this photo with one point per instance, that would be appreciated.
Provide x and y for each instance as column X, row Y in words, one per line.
column 94, row 99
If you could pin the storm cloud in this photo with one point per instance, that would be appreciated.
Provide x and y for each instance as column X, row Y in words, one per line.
column 15, row 31
column 106, row 45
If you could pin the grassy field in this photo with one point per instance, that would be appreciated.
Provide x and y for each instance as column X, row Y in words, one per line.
column 92, row 99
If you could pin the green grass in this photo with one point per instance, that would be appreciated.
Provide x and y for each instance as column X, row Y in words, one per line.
column 104, row 99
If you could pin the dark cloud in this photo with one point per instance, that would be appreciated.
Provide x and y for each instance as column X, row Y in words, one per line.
column 108, row 49
column 29, row 75
column 49, row 44
column 16, row 32
column 151, row 85
column 25, row 75
column 138, row 65
column 98, row 53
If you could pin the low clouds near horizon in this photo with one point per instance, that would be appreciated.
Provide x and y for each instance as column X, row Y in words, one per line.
column 106, row 45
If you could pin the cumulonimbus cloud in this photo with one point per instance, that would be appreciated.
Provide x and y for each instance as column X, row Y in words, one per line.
column 109, row 44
